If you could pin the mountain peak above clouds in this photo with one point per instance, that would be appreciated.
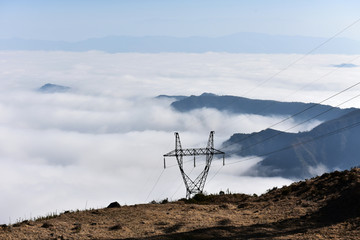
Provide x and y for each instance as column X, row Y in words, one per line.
column 53, row 88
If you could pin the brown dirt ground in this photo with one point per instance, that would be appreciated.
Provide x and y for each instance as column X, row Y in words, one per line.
column 326, row 207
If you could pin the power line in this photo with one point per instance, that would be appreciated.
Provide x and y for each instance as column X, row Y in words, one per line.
column 299, row 59
column 216, row 173
column 276, row 74
column 178, row 188
column 312, row 106
column 296, row 144
column 321, row 113
column 323, row 76
column 296, row 91
column 282, row 132
column 298, row 113
column 176, row 165
column 157, row 181
column 292, row 146
column 301, row 143
column 302, row 57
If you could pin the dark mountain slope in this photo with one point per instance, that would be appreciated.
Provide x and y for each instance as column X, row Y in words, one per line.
column 329, row 146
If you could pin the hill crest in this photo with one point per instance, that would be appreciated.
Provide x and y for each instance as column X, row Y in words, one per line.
column 322, row 207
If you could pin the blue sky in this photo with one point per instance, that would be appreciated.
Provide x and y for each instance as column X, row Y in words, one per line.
column 79, row 19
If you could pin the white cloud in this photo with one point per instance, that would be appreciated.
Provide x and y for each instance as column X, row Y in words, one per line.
column 318, row 169
column 104, row 141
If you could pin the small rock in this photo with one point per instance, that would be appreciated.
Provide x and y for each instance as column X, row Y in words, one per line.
column 242, row 205
column 224, row 206
column 116, row 227
column 46, row 225
column 77, row 227
column 114, row 205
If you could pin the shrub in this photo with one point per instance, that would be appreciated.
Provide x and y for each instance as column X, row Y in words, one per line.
column 166, row 200
column 285, row 191
column 200, row 197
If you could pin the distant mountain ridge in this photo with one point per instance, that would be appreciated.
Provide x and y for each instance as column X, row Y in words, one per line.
column 236, row 43
column 241, row 105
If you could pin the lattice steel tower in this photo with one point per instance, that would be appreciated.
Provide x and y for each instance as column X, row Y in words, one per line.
column 194, row 186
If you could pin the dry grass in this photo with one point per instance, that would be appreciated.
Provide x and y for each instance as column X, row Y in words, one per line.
column 326, row 207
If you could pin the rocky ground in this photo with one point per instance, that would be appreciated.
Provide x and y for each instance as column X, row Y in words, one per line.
column 326, row 207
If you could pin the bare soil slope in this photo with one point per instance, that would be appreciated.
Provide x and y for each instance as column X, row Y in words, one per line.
column 325, row 207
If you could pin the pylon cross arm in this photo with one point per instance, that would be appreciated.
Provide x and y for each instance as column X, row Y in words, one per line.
column 193, row 152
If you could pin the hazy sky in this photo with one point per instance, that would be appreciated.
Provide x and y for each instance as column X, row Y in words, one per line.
column 74, row 20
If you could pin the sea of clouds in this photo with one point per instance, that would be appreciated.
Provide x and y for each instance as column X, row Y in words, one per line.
column 103, row 141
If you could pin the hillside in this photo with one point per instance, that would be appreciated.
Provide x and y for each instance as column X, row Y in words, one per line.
column 324, row 207
column 320, row 149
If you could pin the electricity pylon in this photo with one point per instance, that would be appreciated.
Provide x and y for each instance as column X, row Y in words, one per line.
column 194, row 186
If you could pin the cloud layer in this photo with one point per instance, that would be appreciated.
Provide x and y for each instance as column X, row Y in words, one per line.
column 104, row 140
